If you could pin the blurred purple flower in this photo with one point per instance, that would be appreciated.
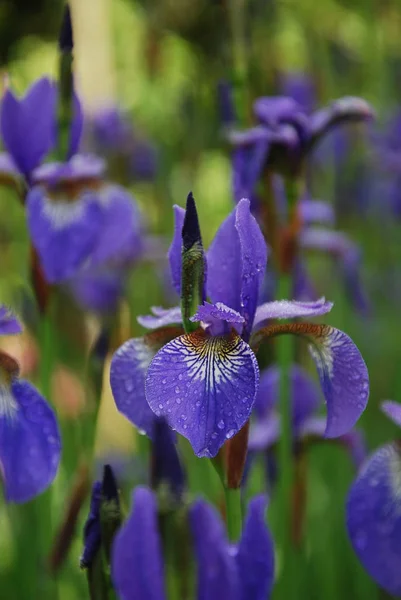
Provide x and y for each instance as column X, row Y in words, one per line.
column 205, row 383
column 81, row 224
column 29, row 125
column 30, row 443
column 244, row 571
column 374, row 511
column 114, row 135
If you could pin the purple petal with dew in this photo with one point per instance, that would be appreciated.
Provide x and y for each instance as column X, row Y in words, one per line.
column 174, row 253
column 121, row 220
column 271, row 110
column 342, row 371
column 63, row 232
column 290, row 309
column 217, row 318
column 217, row 575
column 316, row 211
column 205, row 387
column 27, row 124
column 253, row 262
column 127, row 379
column 305, row 394
column 30, row 443
column 161, row 318
column 137, row 562
column 392, row 410
column 374, row 517
column 264, row 433
column 343, row 110
column 255, row 556
column 353, row 441
column 9, row 323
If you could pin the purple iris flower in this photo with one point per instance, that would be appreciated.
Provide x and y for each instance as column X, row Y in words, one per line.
column 244, row 571
column 205, row 383
column 374, row 511
column 307, row 423
column 114, row 136
column 78, row 222
column 29, row 125
column 284, row 137
column 30, row 442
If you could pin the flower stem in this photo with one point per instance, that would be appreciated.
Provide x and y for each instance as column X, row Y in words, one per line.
column 233, row 513
column 236, row 10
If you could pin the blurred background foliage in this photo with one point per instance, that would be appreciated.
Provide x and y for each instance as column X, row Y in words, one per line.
column 161, row 62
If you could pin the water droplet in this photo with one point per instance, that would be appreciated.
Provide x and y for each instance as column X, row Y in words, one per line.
column 160, row 406
column 178, row 400
column 180, row 376
column 177, row 389
column 185, row 426
column 198, row 403
column 230, row 433
column 141, row 432
column 164, row 381
column 220, row 424
column 129, row 385
column 214, row 435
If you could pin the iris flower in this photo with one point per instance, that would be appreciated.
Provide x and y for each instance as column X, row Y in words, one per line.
column 374, row 511
column 244, row 571
column 29, row 125
column 78, row 221
column 30, row 442
column 205, row 382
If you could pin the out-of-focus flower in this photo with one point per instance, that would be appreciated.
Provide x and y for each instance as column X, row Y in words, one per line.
column 68, row 392
column 115, row 138
column 307, row 424
column 205, row 383
column 24, row 349
column 78, row 221
column 29, row 125
column 243, row 571
column 374, row 511
column 30, row 442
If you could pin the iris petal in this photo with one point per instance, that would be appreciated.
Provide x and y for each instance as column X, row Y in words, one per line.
column 174, row 253
column 161, row 317
column 137, row 564
column 204, row 386
column 374, row 517
column 217, row 573
column 392, row 410
column 290, row 309
column 342, row 371
column 64, row 233
column 9, row 323
column 30, row 442
column 127, row 380
column 255, row 557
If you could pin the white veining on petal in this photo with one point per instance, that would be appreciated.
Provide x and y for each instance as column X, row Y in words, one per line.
column 8, row 405
column 62, row 213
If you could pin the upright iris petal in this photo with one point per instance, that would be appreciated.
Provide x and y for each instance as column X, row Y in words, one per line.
column 236, row 264
column 374, row 517
column 205, row 386
column 30, row 443
column 137, row 564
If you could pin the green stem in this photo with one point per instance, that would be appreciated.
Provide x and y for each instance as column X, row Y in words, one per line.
column 234, row 513
column 285, row 455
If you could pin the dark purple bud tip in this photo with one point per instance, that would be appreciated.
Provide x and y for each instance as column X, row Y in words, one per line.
column 191, row 231
column 66, row 38
column 109, row 485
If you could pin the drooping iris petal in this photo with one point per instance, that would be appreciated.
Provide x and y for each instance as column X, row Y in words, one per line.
column 343, row 110
column 205, row 387
column 121, row 220
column 217, row 576
column 27, row 124
column 174, row 253
column 255, row 557
column 162, row 317
column 290, row 309
column 64, row 233
column 374, row 517
column 264, row 433
column 30, row 442
column 217, row 316
column 137, row 563
column 127, row 379
column 271, row 110
column 9, row 323
column 342, row 371
column 237, row 262
column 392, row 410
